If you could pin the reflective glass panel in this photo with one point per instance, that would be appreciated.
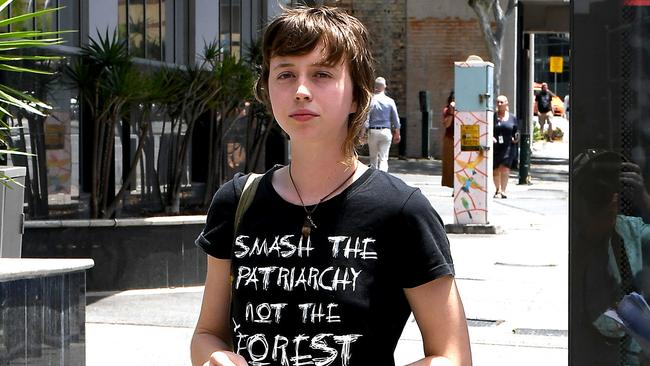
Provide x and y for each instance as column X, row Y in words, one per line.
column 609, row 201
column 153, row 30
column 136, row 28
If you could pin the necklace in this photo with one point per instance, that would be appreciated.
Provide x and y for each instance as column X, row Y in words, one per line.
column 309, row 223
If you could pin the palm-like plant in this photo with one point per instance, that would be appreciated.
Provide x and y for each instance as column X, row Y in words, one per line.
column 235, row 80
column 108, row 82
column 12, row 45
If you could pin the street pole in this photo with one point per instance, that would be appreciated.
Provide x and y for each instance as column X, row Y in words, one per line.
column 425, row 108
column 527, row 121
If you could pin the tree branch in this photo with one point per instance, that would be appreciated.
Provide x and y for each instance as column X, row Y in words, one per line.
column 512, row 4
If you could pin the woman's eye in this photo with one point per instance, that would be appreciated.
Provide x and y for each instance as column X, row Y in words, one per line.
column 323, row 74
column 284, row 75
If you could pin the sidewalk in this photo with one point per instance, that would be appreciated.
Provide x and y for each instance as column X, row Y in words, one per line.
column 514, row 285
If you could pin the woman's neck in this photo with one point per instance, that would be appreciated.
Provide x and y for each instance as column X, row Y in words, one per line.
column 315, row 176
column 502, row 115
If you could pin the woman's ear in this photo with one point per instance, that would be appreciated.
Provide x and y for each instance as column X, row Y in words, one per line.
column 353, row 107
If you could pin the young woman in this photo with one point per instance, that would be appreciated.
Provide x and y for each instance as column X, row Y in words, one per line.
column 331, row 257
column 506, row 138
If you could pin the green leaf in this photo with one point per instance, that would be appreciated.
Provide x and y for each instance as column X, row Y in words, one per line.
column 23, row 69
column 31, row 42
column 15, row 152
column 30, row 58
column 31, row 34
column 27, row 16
column 6, row 112
column 9, row 99
column 25, row 96
column 5, row 4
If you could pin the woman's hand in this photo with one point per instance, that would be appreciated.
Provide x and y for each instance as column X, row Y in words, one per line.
column 225, row 358
column 515, row 138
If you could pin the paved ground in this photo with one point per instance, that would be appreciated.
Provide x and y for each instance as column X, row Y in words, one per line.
column 514, row 285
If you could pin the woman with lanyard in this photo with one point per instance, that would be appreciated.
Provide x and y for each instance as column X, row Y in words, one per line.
column 505, row 138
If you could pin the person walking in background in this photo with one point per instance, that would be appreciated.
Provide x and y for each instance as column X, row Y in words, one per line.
column 505, row 138
column 383, row 126
column 567, row 107
column 312, row 270
column 545, row 111
column 448, row 114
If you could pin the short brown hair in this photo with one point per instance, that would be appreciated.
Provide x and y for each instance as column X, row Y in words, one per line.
column 299, row 31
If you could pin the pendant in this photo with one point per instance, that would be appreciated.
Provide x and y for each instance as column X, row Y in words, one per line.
column 307, row 226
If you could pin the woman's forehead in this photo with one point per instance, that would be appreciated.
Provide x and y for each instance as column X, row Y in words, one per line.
column 321, row 55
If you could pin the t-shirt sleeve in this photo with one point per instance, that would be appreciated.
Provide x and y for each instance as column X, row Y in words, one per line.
column 424, row 253
column 217, row 236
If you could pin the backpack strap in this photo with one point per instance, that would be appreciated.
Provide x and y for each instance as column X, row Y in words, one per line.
column 246, row 198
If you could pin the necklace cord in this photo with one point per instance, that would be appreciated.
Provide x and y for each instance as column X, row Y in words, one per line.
column 309, row 212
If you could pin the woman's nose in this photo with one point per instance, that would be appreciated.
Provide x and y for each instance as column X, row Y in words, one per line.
column 302, row 93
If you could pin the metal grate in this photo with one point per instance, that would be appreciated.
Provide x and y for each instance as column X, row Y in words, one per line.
column 541, row 332
column 483, row 322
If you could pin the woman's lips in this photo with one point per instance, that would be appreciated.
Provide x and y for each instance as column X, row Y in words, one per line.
column 303, row 115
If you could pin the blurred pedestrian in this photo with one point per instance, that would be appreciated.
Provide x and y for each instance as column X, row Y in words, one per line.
column 567, row 107
column 505, row 138
column 308, row 264
column 383, row 126
column 545, row 111
column 448, row 115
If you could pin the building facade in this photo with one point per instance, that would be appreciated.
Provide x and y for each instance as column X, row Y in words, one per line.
column 415, row 44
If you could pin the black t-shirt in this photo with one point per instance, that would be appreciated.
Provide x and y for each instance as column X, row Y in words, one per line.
column 335, row 298
column 543, row 102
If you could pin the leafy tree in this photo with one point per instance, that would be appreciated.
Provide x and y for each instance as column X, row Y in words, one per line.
column 489, row 12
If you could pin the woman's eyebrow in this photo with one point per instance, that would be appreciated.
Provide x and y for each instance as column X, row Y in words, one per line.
column 282, row 65
column 290, row 64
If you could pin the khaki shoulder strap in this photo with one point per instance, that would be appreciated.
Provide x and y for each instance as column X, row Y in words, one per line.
column 246, row 198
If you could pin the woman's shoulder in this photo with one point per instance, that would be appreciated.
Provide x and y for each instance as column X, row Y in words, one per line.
column 387, row 188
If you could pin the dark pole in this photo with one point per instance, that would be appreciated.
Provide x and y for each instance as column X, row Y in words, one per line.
column 524, row 113
column 425, row 108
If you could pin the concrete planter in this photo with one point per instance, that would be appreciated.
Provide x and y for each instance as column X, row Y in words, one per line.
column 128, row 253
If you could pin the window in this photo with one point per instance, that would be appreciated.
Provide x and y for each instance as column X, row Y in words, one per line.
column 143, row 24
column 230, row 26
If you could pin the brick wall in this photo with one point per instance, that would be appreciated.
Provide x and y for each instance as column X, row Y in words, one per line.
column 434, row 44
column 386, row 23
column 415, row 44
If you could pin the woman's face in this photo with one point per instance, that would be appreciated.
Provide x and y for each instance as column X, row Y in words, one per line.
column 502, row 104
column 311, row 100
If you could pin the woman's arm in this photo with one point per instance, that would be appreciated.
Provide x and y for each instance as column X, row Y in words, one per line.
column 439, row 313
column 448, row 115
column 211, row 343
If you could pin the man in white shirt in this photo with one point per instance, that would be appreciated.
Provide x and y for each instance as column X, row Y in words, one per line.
column 383, row 126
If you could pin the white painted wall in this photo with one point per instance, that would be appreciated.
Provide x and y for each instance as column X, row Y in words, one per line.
column 102, row 15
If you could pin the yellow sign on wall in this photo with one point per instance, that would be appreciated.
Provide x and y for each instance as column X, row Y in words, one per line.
column 557, row 64
column 470, row 138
